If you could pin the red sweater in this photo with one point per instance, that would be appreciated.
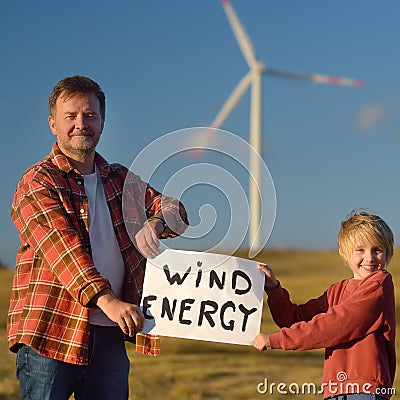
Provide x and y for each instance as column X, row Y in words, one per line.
column 354, row 320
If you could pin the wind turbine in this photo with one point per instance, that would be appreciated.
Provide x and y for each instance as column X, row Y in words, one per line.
column 253, row 79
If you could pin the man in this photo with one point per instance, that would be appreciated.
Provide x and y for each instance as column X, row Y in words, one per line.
column 80, row 267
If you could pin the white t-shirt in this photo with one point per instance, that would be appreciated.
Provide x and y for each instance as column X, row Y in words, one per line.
column 106, row 254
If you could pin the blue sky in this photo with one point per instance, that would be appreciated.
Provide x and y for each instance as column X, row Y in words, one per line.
column 168, row 65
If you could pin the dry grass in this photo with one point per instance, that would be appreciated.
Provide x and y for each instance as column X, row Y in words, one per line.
column 195, row 370
column 8, row 382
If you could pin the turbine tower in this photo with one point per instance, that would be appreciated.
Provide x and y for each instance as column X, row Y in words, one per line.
column 253, row 78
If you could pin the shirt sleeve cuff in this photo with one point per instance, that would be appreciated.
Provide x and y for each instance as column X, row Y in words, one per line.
column 147, row 344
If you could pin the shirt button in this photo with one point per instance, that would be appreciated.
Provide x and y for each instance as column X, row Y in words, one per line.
column 79, row 182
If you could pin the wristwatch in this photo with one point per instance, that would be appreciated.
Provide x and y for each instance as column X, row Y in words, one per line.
column 163, row 234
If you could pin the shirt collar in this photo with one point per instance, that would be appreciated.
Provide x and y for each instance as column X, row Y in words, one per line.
column 62, row 162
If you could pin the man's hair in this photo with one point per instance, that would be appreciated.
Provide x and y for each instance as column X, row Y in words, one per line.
column 361, row 224
column 76, row 85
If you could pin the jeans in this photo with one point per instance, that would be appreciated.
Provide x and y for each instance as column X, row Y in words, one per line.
column 357, row 396
column 105, row 378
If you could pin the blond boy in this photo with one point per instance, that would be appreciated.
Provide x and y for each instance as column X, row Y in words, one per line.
column 354, row 319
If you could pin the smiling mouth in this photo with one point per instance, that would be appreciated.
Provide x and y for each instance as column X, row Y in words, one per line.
column 81, row 132
column 81, row 135
column 370, row 267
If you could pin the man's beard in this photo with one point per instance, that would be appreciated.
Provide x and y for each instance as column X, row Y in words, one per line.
column 83, row 147
column 82, row 150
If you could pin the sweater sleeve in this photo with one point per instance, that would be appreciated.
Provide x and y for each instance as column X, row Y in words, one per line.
column 358, row 315
column 285, row 313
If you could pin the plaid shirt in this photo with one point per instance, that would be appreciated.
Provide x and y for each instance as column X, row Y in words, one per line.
column 55, row 278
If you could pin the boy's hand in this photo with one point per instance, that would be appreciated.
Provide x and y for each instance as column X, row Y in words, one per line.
column 261, row 342
column 270, row 280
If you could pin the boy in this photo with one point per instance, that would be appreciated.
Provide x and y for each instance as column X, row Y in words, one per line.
column 354, row 320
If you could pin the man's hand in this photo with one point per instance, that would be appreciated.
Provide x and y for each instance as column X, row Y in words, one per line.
column 129, row 317
column 261, row 342
column 147, row 241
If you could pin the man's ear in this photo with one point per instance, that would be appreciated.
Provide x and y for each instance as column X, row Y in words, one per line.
column 52, row 125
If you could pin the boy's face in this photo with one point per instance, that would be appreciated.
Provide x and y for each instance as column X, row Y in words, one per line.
column 367, row 257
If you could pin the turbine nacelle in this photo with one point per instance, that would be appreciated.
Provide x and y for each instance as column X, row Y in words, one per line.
column 260, row 68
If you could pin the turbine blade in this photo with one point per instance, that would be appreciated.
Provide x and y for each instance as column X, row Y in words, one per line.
column 232, row 100
column 227, row 107
column 241, row 36
column 317, row 78
column 336, row 80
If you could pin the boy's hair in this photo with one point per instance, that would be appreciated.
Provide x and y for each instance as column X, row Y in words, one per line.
column 365, row 225
column 76, row 85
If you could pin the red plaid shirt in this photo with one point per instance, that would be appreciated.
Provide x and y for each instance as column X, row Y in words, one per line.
column 55, row 278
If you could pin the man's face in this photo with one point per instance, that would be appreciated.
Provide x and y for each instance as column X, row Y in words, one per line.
column 77, row 124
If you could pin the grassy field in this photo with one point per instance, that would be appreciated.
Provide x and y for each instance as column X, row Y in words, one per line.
column 196, row 370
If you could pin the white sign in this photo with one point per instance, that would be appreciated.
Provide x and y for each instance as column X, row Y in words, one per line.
column 203, row 296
